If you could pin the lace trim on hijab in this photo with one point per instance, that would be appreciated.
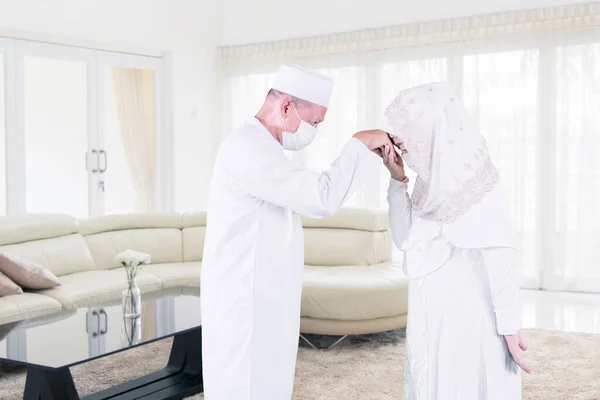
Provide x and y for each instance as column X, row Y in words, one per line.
column 471, row 192
column 414, row 140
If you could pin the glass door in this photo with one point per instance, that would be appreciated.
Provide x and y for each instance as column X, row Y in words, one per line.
column 56, row 111
column 129, row 133
column 88, row 136
column 6, row 56
column 3, row 174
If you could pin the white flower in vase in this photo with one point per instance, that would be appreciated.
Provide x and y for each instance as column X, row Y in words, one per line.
column 132, row 260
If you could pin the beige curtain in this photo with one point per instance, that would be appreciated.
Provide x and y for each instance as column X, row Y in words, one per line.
column 149, row 319
column 135, row 99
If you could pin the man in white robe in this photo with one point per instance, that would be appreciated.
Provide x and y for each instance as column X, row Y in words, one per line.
column 251, row 281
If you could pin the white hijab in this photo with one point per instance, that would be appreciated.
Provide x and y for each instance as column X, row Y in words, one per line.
column 458, row 199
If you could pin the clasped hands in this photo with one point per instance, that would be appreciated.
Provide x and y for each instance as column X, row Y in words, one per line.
column 384, row 145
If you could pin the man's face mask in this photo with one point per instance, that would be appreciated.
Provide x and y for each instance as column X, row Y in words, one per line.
column 303, row 136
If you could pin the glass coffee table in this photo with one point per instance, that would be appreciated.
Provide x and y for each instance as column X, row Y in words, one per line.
column 50, row 345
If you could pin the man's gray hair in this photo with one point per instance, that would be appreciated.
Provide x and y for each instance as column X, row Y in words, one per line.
column 276, row 94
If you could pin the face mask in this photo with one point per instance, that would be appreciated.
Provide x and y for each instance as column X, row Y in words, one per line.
column 408, row 160
column 303, row 136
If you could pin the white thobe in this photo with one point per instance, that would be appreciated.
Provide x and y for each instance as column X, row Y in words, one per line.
column 458, row 312
column 253, row 259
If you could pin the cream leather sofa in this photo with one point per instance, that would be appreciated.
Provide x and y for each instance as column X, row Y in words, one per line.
column 349, row 286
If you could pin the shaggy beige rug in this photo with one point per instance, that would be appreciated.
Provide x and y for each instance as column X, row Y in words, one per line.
column 566, row 367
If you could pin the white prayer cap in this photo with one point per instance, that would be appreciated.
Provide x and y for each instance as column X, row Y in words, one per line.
column 304, row 83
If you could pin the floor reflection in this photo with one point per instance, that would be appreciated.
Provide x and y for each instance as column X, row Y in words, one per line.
column 570, row 312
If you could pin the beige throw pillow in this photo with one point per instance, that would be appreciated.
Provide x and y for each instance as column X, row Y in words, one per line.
column 27, row 274
column 8, row 287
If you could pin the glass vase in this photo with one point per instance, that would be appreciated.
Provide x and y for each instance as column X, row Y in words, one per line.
column 132, row 330
column 132, row 301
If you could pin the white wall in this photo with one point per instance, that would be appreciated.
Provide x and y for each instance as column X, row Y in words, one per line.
column 276, row 20
column 185, row 28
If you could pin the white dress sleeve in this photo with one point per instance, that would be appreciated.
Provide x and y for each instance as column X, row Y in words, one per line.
column 400, row 211
column 265, row 172
column 503, row 272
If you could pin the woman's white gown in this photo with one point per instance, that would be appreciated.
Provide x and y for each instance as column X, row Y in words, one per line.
column 456, row 317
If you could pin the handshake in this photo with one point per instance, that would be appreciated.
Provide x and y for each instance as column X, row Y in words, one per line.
column 384, row 145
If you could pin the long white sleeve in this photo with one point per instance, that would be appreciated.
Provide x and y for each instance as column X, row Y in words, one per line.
column 400, row 211
column 502, row 268
column 264, row 172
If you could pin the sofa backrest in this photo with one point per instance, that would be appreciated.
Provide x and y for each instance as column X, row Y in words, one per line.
column 193, row 231
column 156, row 234
column 350, row 237
column 51, row 240
column 65, row 245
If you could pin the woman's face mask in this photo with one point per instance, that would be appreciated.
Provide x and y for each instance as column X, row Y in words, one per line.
column 303, row 136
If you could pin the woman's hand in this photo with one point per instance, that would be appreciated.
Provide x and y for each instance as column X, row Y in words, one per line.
column 398, row 143
column 515, row 346
column 394, row 163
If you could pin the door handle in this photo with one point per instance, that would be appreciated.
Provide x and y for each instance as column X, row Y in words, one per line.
column 103, row 170
column 97, row 315
column 102, row 312
column 87, row 161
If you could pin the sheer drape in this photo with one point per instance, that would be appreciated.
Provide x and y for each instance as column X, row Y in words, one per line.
column 501, row 92
column 575, row 261
column 534, row 92
column 134, row 96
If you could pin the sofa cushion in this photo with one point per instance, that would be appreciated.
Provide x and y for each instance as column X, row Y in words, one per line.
column 61, row 255
column 339, row 247
column 89, row 288
column 163, row 245
column 25, row 306
column 193, row 243
column 354, row 293
column 175, row 275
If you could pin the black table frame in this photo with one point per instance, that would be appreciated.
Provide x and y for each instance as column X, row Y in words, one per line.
column 182, row 377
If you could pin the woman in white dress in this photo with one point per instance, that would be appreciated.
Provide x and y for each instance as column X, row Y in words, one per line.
column 462, row 339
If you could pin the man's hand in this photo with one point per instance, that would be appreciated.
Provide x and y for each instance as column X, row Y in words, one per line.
column 375, row 140
column 394, row 164
column 515, row 345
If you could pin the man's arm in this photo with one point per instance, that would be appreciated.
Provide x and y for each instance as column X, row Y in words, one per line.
column 263, row 171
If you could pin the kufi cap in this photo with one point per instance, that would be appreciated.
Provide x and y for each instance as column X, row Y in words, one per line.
column 304, row 83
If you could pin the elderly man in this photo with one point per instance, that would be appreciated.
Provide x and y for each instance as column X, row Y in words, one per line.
column 253, row 260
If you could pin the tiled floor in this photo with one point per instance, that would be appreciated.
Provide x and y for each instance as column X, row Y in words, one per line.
column 570, row 312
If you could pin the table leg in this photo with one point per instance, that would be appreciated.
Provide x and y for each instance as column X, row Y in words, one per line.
column 186, row 353
column 182, row 377
column 49, row 384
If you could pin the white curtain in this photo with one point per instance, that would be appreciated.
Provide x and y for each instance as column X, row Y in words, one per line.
column 134, row 97
column 3, row 175
column 531, row 80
